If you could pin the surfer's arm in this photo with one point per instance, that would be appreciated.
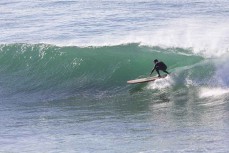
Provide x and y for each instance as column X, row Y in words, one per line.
column 155, row 67
column 152, row 70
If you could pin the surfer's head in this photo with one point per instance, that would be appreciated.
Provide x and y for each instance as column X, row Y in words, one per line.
column 155, row 61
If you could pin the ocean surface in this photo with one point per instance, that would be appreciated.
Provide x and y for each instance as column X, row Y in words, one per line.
column 64, row 67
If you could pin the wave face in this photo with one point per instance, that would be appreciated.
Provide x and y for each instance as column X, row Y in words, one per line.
column 48, row 72
column 52, row 72
column 67, row 71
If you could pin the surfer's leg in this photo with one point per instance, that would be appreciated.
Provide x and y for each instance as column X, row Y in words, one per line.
column 165, row 71
column 158, row 72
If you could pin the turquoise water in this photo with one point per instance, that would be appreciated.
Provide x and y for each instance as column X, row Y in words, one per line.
column 64, row 67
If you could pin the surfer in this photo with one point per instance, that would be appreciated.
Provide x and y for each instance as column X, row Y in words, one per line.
column 159, row 65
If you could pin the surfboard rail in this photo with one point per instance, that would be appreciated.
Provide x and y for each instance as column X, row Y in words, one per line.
column 144, row 80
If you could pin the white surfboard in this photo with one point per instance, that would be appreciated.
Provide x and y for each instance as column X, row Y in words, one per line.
column 143, row 80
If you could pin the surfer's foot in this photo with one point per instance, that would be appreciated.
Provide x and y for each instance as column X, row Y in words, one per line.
column 158, row 76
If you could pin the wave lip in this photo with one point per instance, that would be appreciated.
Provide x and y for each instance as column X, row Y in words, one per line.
column 204, row 36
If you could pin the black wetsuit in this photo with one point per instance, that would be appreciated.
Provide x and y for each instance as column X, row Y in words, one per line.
column 160, row 66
